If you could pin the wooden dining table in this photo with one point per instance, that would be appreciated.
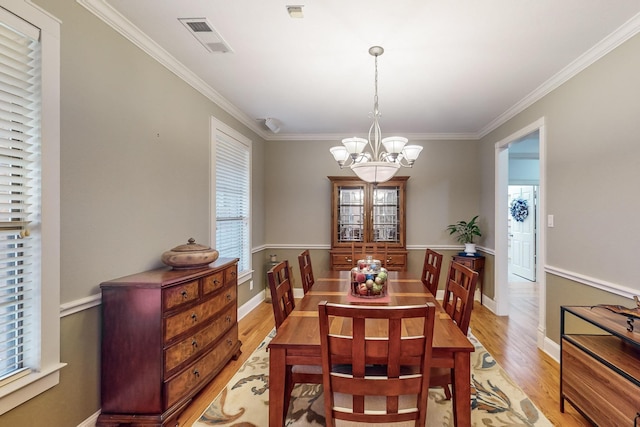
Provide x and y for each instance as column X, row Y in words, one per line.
column 297, row 341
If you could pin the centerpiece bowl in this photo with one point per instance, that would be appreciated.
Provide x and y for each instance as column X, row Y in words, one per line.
column 369, row 279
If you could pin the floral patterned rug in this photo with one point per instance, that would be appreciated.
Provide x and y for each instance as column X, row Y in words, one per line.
column 495, row 399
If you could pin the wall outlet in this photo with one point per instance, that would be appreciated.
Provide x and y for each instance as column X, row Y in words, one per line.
column 550, row 221
column 251, row 285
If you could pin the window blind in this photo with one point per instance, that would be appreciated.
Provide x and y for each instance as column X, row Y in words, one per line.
column 232, row 200
column 19, row 197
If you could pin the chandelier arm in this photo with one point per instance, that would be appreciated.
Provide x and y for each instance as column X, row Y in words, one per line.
column 347, row 163
column 403, row 162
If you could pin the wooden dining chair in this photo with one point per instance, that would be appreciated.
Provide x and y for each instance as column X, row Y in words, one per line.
column 458, row 303
column 390, row 371
column 431, row 270
column 283, row 304
column 281, row 290
column 306, row 271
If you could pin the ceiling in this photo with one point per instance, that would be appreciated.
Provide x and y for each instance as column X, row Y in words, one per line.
column 451, row 68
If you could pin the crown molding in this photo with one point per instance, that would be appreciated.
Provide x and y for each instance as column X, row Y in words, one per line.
column 105, row 12
column 340, row 136
column 606, row 45
column 110, row 16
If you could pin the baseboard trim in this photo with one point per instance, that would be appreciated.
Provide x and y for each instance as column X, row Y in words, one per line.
column 246, row 308
column 552, row 348
column 489, row 303
column 91, row 421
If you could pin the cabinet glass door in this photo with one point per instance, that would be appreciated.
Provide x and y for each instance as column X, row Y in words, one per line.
column 386, row 214
column 350, row 214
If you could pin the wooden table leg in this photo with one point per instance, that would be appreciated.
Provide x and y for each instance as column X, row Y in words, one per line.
column 462, row 389
column 277, row 372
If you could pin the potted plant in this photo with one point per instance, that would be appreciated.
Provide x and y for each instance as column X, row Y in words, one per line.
column 465, row 232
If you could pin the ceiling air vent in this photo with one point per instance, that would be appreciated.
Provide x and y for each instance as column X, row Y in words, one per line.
column 204, row 32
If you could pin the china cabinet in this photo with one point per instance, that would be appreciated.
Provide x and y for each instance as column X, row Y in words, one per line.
column 368, row 219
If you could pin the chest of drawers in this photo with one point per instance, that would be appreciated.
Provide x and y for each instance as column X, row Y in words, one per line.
column 165, row 335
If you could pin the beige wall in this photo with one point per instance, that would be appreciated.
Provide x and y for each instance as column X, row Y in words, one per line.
column 592, row 130
column 443, row 187
column 77, row 396
column 134, row 156
column 134, row 183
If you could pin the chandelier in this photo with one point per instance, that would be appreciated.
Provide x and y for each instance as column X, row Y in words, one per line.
column 367, row 157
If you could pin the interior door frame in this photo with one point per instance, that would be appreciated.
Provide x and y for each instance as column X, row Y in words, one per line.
column 501, row 237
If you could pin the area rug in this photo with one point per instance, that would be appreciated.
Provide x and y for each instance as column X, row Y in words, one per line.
column 495, row 399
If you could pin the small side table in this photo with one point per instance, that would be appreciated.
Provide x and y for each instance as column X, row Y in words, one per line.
column 476, row 263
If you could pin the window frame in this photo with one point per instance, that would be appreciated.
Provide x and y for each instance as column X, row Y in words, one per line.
column 219, row 128
column 47, row 373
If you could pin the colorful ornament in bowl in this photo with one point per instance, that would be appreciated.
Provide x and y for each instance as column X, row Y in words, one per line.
column 369, row 279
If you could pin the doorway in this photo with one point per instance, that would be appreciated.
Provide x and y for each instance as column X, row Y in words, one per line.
column 519, row 161
column 522, row 197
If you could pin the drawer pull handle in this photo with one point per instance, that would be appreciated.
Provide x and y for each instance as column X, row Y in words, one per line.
column 229, row 342
column 194, row 343
column 196, row 373
column 347, row 259
column 228, row 319
column 194, row 317
column 234, row 274
column 184, row 294
column 228, row 297
column 216, row 281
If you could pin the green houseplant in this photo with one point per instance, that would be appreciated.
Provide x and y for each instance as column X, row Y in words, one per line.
column 465, row 232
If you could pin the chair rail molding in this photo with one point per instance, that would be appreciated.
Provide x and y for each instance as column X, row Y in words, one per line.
column 603, row 285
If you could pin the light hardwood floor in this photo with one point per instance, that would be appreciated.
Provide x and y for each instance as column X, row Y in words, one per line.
column 511, row 340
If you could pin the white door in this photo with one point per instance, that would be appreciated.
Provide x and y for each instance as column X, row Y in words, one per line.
column 523, row 233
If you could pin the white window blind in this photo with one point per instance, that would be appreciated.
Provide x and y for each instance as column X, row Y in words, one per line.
column 232, row 199
column 19, row 199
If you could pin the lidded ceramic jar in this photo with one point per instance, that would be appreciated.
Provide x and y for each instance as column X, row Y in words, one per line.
column 191, row 255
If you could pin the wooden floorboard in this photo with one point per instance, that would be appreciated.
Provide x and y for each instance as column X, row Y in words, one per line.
column 511, row 340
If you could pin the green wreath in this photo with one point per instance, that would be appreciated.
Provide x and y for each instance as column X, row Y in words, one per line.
column 519, row 210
